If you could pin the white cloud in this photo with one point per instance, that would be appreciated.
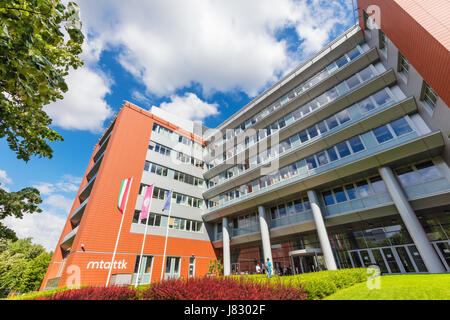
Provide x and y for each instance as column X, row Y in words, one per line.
column 45, row 227
column 67, row 183
column 58, row 201
column 191, row 107
column 221, row 45
column 4, row 177
column 84, row 106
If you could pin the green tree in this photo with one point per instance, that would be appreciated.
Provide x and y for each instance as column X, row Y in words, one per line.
column 22, row 266
column 35, row 56
column 16, row 204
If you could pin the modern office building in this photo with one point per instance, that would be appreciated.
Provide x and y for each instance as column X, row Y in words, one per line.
column 342, row 163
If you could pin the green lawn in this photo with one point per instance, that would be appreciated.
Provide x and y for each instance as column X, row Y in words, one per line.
column 400, row 287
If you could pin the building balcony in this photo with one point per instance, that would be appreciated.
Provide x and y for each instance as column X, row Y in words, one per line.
column 374, row 156
column 67, row 242
column 344, row 99
column 94, row 169
column 78, row 213
column 84, row 194
column 358, row 124
column 102, row 148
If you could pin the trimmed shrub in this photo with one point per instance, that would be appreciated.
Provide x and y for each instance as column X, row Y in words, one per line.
column 95, row 293
column 39, row 294
column 317, row 285
column 220, row 289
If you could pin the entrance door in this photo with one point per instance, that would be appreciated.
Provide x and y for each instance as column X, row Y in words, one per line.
column 443, row 250
column 417, row 259
column 379, row 260
column 172, row 268
column 145, row 272
column 367, row 261
column 392, row 261
column 405, row 260
column 297, row 265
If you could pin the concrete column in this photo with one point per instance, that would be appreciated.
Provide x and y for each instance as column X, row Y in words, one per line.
column 429, row 255
column 226, row 247
column 321, row 231
column 267, row 249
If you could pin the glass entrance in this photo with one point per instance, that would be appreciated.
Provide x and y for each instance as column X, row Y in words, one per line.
column 393, row 259
column 145, row 273
column 443, row 250
column 172, row 268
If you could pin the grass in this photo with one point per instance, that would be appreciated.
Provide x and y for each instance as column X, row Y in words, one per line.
column 400, row 287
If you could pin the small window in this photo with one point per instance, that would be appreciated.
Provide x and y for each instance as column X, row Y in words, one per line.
column 356, row 144
column 400, row 127
column 428, row 171
column 340, row 194
column 382, row 134
column 382, row 41
column 407, row 176
column 428, row 96
column 328, row 197
column 403, row 66
column 343, row 149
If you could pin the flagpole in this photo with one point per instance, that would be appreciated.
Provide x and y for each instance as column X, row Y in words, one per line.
column 167, row 233
column 118, row 236
column 143, row 243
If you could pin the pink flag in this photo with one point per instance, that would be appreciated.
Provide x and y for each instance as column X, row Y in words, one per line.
column 146, row 203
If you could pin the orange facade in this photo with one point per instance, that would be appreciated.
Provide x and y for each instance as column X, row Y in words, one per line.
column 420, row 30
column 124, row 157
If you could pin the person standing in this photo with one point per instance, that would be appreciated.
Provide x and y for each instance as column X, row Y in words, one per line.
column 269, row 268
column 258, row 269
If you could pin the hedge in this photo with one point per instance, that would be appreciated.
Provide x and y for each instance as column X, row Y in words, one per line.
column 317, row 284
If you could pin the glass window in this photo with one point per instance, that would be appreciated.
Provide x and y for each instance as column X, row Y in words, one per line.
column 351, row 192
column 343, row 116
column 303, row 136
column 322, row 127
column 339, row 194
column 363, row 189
column 407, row 176
column 428, row 171
column 298, row 205
column 322, row 158
column 400, row 126
column 332, row 154
column 341, row 61
column 352, row 81
column 332, row 122
column 312, row 132
column 353, row 53
column 381, row 97
column 382, row 134
column 273, row 213
column 282, row 210
column 311, row 161
column 378, row 184
column 366, row 105
column 429, row 96
column 356, row 144
column 306, row 204
column 328, row 197
column 343, row 149
column 366, row 74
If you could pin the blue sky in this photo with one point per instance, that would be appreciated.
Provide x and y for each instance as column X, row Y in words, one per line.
column 206, row 59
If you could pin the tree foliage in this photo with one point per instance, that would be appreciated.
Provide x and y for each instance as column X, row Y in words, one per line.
column 16, row 204
column 22, row 266
column 35, row 56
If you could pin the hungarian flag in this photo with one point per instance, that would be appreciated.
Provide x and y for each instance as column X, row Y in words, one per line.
column 146, row 203
column 123, row 195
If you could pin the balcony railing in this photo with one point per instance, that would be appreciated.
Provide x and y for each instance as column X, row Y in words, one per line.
column 87, row 189
column 68, row 239
column 78, row 213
